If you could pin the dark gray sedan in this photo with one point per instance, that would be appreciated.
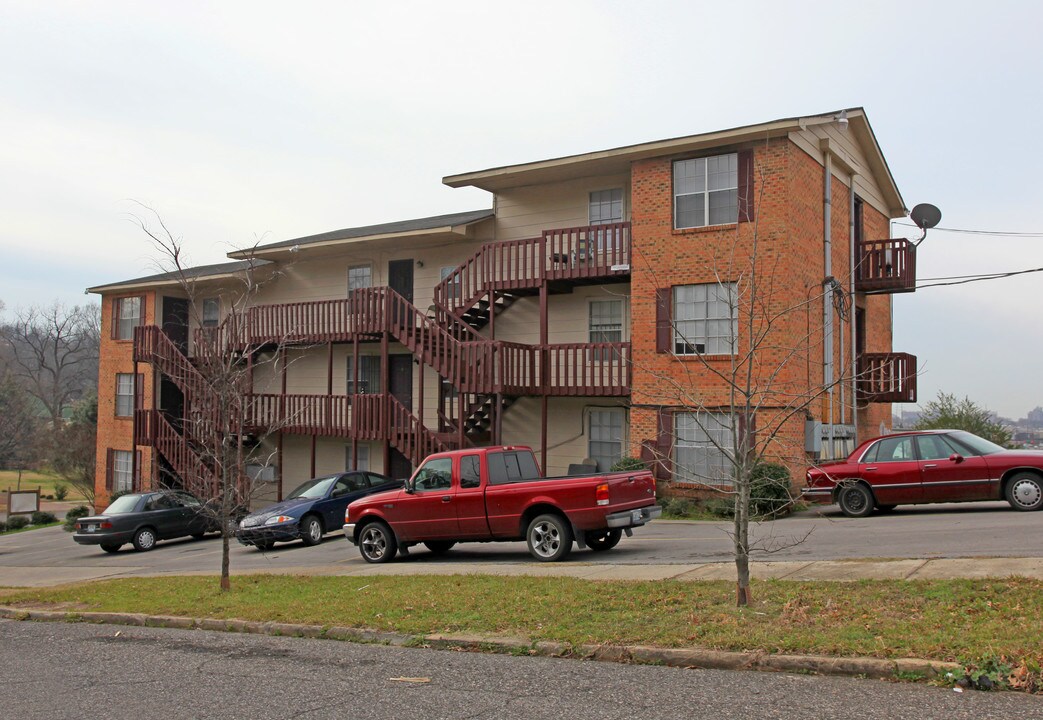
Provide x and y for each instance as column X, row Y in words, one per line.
column 145, row 518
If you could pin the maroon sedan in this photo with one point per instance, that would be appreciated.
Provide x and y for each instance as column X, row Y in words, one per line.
column 925, row 467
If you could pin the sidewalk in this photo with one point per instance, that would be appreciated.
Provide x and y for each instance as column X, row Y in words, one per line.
column 828, row 570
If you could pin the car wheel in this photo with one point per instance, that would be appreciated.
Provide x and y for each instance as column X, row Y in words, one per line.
column 311, row 530
column 549, row 538
column 377, row 543
column 601, row 540
column 855, row 500
column 144, row 539
column 110, row 548
column 1025, row 492
column 439, row 547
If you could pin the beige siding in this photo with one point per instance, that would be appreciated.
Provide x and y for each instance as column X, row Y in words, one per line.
column 567, row 428
column 845, row 144
column 568, row 315
column 525, row 212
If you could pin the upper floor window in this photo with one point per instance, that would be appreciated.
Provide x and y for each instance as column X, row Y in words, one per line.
column 125, row 390
column 126, row 316
column 360, row 276
column 605, row 326
column 211, row 312
column 454, row 285
column 706, row 191
column 606, row 206
column 369, row 377
column 705, row 319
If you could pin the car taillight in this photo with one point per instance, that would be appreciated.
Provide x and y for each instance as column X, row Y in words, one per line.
column 602, row 494
column 105, row 525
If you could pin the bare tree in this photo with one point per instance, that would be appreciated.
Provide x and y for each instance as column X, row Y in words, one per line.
column 18, row 424
column 222, row 432
column 747, row 402
column 53, row 351
column 73, row 450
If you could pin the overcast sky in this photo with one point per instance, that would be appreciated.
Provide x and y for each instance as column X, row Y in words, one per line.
column 246, row 121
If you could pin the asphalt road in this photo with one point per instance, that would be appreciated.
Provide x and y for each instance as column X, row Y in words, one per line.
column 61, row 670
column 929, row 531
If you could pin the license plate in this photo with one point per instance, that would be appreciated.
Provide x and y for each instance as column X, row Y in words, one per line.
column 91, row 528
column 636, row 516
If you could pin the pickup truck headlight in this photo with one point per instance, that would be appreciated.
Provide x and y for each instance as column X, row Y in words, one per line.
column 275, row 520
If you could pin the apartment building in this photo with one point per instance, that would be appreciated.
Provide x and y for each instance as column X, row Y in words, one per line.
column 609, row 304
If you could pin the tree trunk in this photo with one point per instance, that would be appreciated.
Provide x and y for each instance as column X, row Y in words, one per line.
column 743, row 595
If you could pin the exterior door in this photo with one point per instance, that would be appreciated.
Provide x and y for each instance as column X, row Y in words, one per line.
column 400, row 277
column 951, row 480
column 428, row 513
column 175, row 321
column 400, row 379
column 892, row 470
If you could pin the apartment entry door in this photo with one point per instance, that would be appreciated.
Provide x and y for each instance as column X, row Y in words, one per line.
column 400, row 379
column 400, row 279
column 175, row 321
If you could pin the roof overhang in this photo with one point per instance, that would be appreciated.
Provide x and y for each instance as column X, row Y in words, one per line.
column 190, row 278
column 618, row 160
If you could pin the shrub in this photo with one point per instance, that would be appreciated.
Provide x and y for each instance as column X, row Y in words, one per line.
column 723, row 507
column 3, row 526
column 770, row 491
column 61, row 491
column 17, row 522
column 629, row 463
column 73, row 515
column 43, row 518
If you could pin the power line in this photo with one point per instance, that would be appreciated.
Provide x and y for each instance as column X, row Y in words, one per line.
column 979, row 232
column 978, row 278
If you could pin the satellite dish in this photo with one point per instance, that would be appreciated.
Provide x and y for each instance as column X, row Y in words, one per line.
column 925, row 216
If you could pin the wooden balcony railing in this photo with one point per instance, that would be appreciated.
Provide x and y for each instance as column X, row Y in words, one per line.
column 152, row 429
column 887, row 377
column 886, row 266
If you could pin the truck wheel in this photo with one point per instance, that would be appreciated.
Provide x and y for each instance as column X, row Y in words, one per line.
column 377, row 543
column 600, row 540
column 549, row 538
column 439, row 547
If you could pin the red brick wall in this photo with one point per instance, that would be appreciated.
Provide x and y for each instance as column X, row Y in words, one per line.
column 786, row 309
column 117, row 433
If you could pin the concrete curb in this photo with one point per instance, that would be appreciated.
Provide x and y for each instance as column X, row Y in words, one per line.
column 630, row 654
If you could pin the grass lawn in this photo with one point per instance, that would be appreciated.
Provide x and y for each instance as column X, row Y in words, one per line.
column 27, row 528
column 980, row 623
column 31, row 481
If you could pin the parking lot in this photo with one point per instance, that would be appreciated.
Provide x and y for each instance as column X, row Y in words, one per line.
column 978, row 530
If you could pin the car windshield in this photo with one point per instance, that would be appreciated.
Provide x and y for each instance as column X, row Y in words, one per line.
column 122, row 504
column 980, row 446
column 316, row 488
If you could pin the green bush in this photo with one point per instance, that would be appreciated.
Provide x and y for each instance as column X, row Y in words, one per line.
column 723, row 507
column 17, row 522
column 73, row 515
column 3, row 526
column 629, row 463
column 770, row 491
column 43, row 518
column 61, row 491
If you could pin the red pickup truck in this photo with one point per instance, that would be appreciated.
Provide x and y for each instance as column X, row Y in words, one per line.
column 495, row 494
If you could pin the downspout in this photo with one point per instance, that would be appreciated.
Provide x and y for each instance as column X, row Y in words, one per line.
column 854, row 276
column 827, row 302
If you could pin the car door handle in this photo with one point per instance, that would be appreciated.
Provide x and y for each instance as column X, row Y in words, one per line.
column 446, row 498
column 931, row 465
column 870, row 468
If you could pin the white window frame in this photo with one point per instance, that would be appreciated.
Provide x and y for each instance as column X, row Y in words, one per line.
column 596, row 332
column 595, row 424
column 123, row 471
column 126, row 323
column 703, row 443
column 211, row 314
column 368, row 267
column 692, row 177
column 350, row 375
column 713, row 324
column 606, row 240
column 125, row 385
column 363, row 463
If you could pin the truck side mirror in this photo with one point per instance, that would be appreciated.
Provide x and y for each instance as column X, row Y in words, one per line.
column 408, row 486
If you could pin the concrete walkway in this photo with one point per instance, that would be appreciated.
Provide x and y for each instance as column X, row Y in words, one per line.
column 832, row 570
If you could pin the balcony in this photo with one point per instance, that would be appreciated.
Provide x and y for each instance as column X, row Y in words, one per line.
column 887, row 377
column 886, row 266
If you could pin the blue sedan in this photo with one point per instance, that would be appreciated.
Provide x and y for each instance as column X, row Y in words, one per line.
column 311, row 510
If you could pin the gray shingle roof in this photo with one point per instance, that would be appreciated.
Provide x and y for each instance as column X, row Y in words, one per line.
column 193, row 273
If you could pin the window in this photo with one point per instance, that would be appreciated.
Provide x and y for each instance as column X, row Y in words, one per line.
column 124, row 394
column 934, row 447
column 895, row 449
column 470, row 472
column 126, row 317
column 511, row 466
column 453, row 287
column 705, row 319
column 606, row 207
column 606, row 438
column 703, row 446
column 122, row 471
column 369, row 375
column 211, row 312
column 706, row 191
column 359, row 276
column 435, row 474
column 362, row 464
